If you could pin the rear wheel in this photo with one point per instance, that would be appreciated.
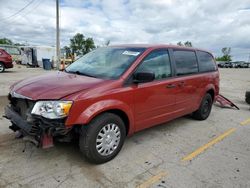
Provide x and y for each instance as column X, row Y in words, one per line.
column 2, row 68
column 103, row 138
column 205, row 108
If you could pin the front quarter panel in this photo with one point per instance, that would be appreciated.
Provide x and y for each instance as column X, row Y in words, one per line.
column 83, row 112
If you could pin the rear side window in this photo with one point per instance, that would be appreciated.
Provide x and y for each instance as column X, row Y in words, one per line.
column 206, row 62
column 157, row 62
column 186, row 62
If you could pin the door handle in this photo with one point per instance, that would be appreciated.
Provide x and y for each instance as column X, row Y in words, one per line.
column 169, row 86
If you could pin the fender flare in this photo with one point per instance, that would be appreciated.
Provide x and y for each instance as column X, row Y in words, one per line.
column 103, row 106
column 208, row 87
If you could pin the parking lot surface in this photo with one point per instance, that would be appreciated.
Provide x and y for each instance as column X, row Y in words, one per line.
column 180, row 153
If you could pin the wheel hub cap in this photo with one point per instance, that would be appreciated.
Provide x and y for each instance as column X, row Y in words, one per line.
column 206, row 107
column 108, row 139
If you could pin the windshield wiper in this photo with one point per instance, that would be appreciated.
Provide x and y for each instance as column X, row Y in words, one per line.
column 80, row 73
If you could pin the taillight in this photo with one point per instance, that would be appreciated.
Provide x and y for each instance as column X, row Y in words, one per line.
column 9, row 58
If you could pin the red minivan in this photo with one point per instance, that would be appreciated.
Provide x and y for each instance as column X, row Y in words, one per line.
column 5, row 60
column 111, row 93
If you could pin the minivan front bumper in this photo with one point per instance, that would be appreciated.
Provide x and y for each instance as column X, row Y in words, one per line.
column 40, row 130
column 16, row 119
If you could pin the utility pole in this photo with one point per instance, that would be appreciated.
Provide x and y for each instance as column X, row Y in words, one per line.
column 57, row 36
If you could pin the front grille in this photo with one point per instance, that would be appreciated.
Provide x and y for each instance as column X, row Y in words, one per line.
column 22, row 106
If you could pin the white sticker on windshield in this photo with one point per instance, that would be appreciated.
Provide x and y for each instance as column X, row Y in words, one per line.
column 131, row 53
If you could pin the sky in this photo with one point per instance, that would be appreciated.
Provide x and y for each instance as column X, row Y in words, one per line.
column 208, row 24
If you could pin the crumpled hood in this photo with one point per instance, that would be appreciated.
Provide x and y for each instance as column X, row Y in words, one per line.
column 54, row 85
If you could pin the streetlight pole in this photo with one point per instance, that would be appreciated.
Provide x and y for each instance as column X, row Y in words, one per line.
column 57, row 36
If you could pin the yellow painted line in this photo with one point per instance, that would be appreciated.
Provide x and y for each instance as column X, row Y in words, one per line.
column 245, row 122
column 208, row 145
column 152, row 180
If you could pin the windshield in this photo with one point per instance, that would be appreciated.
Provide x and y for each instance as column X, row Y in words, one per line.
column 106, row 62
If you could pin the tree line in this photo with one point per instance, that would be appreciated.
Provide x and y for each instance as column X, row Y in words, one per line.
column 81, row 45
column 226, row 51
column 9, row 42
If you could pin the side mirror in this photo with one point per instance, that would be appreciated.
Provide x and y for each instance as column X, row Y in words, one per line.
column 143, row 77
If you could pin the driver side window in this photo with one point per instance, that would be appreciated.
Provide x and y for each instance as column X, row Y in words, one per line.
column 157, row 62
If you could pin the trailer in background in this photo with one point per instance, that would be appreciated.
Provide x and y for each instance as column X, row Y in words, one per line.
column 33, row 55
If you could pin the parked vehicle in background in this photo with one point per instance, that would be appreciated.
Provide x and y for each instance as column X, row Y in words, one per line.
column 235, row 64
column 5, row 60
column 221, row 64
column 14, row 51
column 227, row 65
column 243, row 64
column 113, row 92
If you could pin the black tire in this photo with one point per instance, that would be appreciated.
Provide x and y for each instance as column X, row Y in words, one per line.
column 89, row 135
column 2, row 67
column 247, row 99
column 205, row 108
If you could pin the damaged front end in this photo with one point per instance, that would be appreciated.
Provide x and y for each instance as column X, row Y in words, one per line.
column 34, row 128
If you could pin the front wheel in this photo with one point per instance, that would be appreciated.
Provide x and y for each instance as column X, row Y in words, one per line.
column 103, row 138
column 205, row 108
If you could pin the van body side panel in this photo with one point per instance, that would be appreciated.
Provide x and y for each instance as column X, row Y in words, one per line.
column 188, row 93
column 154, row 103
